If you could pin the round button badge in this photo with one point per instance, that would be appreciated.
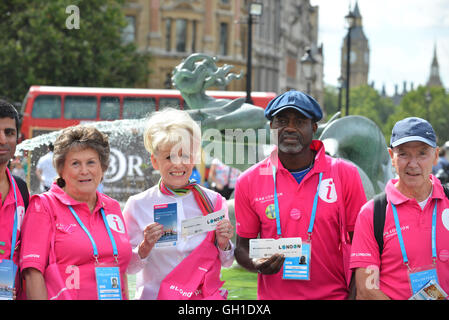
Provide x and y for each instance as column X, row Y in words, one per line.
column 295, row 214
column 444, row 255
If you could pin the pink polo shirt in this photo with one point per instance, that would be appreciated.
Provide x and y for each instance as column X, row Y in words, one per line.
column 416, row 232
column 254, row 211
column 7, row 211
column 74, row 252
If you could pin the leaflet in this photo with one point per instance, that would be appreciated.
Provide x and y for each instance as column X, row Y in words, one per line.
column 7, row 276
column 202, row 224
column 166, row 214
column 265, row 248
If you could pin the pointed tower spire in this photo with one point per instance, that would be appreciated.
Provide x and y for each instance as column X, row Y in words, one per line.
column 434, row 78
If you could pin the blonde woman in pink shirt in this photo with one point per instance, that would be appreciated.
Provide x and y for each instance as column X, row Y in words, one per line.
column 81, row 250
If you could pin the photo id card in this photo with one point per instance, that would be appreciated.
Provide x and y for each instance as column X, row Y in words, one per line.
column 108, row 283
column 265, row 248
column 298, row 268
column 167, row 215
column 8, row 271
column 202, row 224
column 421, row 276
column 430, row 291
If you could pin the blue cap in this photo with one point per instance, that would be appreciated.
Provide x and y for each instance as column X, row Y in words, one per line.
column 413, row 129
column 296, row 100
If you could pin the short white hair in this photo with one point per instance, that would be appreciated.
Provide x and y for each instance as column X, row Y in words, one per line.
column 170, row 127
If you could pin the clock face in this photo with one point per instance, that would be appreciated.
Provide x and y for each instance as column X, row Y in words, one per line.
column 353, row 57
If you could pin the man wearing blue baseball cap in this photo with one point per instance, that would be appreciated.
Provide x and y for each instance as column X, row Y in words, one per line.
column 401, row 240
column 298, row 192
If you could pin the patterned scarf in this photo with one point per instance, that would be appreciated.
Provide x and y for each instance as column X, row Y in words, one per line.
column 201, row 198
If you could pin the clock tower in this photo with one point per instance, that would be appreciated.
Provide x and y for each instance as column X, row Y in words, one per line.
column 359, row 55
column 434, row 78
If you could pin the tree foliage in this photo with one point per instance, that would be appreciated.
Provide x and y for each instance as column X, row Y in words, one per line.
column 431, row 104
column 38, row 48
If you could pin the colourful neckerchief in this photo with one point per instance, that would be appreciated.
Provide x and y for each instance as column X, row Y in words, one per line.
column 201, row 198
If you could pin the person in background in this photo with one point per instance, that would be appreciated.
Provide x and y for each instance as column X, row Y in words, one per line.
column 189, row 263
column 298, row 191
column 12, row 208
column 45, row 171
column 223, row 178
column 82, row 230
column 416, row 228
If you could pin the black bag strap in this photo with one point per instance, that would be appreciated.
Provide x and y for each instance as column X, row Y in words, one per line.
column 23, row 190
column 380, row 208
column 446, row 191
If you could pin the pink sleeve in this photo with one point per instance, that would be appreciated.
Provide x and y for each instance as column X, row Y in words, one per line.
column 247, row 222
column 364, row 251
column 36, row 235
column 354, row 194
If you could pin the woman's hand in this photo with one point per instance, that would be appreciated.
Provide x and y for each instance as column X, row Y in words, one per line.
column 151, row 234
column 224, row 233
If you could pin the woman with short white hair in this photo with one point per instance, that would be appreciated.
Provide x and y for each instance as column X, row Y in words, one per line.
column 171, row 265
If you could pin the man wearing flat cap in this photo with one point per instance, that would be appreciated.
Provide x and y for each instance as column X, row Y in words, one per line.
column 413, row 245
column 298, row 194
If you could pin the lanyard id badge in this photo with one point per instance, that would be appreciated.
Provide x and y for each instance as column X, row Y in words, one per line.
column 418, row 277
column 107, row 278
column 8, row 269
column 297, row 268
column 108, row 283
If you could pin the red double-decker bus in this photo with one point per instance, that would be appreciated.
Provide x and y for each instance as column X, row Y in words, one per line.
column 49, row 108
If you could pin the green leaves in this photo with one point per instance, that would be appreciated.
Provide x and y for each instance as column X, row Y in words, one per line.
column 37, row 47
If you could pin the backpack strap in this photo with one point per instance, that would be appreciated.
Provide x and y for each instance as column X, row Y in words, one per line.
column 446, row 190
column 380, row 208
column 23, row 190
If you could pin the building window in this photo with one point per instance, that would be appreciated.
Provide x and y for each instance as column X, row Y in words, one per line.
column 129, row 32
column 223, row 50
column 181, row 34
column 168, row 35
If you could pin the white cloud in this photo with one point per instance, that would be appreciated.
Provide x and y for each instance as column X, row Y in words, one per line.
column 401, row 35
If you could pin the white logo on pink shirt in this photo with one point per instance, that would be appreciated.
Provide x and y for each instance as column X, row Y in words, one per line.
column 116, row 223
column 20, row 214
column 445, row 218
column 328, row 193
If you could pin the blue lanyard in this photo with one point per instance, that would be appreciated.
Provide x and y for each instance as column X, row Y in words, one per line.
column 401, row 240
column 15, row 227
column 276, row 206
column 94, row 246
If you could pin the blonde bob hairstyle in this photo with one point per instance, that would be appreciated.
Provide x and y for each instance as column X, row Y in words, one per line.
column 171, row 127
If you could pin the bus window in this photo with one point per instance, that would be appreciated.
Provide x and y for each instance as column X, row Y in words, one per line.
column 109, row 108
column 169, row 102
column 136, row 108
column 80, row 107
column 47, row 107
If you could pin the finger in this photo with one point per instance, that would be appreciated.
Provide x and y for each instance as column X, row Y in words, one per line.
column 271, row 265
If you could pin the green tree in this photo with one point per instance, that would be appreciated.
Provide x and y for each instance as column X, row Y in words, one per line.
column 366, row 101
column 38, row 47
column 330, row 104
column 431, row 104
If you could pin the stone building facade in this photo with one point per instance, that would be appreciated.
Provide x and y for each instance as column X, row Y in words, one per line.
column 171, row 30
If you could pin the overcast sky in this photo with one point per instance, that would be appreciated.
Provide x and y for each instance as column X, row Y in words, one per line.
column 401, row 36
